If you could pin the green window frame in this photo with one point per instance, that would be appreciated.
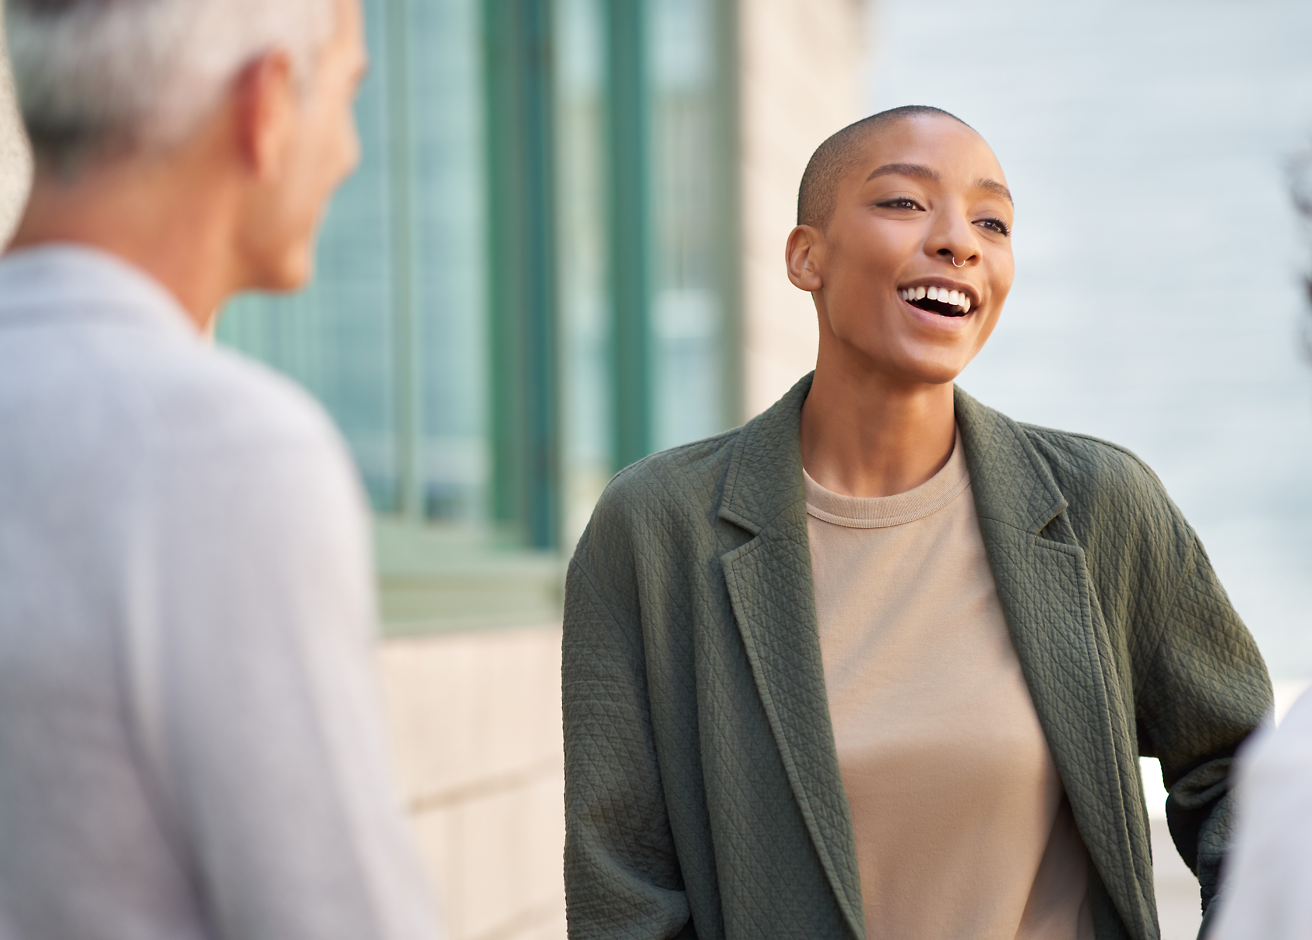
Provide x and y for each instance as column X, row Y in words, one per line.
column 432, row 366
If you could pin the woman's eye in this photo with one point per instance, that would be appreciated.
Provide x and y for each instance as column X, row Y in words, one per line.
column 996, row 225
column 901, row 202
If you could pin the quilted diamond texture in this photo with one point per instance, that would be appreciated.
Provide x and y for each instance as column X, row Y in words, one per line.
column 703, row 797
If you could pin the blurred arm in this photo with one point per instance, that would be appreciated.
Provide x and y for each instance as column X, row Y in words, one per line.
column 274, row 765
column 1268, row 871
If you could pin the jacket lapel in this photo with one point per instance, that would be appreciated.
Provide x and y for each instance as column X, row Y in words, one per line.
column 1042, row 582
column 770, row 586
column 1063, row 646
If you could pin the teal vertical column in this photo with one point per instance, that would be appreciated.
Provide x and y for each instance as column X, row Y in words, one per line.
column 522, row 289
column 406, row 359
column 629, row 196
column 728, row 186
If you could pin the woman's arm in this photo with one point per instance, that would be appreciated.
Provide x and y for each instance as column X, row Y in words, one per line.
column 1205, row 690
column 622, row 876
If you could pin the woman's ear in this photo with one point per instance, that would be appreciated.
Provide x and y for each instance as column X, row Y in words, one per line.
column 804, row 256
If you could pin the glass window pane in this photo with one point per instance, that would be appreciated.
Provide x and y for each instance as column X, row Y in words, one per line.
column 339, row 337
column 450, row 235
column 582, row 258
column 687, row 312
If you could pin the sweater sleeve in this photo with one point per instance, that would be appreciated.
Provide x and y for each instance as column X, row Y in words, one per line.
column 270, row 739
column 622, row 877
column 1206, row 689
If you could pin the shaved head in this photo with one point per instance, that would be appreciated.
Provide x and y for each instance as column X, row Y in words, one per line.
column 840, row 154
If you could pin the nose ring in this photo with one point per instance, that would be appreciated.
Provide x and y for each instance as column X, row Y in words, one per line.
column 954, row 262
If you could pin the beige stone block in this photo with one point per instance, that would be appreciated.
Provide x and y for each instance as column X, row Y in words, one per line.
column 547, row 731
column 485, row 844
column 434, row 841
column 470, row 711
column 516, row 694
column 551, row 927
column 433, row 704
column 543, row 842
column 495, row 861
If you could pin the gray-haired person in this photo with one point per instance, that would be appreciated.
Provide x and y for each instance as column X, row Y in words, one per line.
column 189, row 739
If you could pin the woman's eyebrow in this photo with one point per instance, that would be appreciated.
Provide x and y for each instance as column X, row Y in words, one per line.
column 996, row 188
column 919, row 171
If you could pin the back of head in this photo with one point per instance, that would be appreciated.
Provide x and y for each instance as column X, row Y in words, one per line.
column 834, row 158
column 100, row 78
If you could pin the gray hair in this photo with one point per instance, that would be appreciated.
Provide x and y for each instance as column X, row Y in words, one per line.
column 100, row 76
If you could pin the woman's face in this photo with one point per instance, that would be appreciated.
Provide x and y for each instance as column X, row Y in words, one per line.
column 912, row 271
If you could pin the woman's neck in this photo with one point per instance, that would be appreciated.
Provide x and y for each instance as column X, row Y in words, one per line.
column 865, row 435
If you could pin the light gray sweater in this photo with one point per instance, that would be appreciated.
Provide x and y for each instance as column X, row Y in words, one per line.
column 189, row 740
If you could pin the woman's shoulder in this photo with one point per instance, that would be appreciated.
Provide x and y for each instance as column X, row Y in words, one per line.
column 678, row 480
column 1103, row 481
column 1081, row 465
column 1088, row 461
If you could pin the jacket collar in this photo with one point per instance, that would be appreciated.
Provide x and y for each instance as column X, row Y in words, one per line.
column 1043, row 586
column 764, row 481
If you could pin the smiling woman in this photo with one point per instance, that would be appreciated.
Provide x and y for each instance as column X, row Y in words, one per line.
column 881, row 662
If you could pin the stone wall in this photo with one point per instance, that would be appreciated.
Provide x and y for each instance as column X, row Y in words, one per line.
column 476, row 730
column 799, row 80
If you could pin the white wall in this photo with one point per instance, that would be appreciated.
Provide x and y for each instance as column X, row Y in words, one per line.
column 799, row 79
column 15, row 161
column 1157, row 300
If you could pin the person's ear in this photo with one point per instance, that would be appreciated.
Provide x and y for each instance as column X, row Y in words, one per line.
column 804, row 256
column 265, row 100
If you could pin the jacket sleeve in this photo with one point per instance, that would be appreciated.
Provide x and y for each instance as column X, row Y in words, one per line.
column 622, row 877
column 1206, row 689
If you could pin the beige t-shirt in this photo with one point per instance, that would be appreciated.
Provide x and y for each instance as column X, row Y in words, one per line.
column 963, row 829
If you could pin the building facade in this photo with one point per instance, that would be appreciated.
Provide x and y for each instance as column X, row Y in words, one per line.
column 562, row 251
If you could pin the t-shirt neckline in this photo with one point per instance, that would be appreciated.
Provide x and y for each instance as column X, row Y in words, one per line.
column 877, row 512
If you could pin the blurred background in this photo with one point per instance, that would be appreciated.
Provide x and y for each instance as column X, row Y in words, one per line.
column 563, row 251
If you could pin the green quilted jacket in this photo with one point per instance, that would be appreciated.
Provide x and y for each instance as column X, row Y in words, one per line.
column 702, row 792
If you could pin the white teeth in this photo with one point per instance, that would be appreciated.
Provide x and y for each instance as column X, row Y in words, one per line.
column 954, row 298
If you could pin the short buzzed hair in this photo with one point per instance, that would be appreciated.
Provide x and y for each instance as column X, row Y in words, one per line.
column 817, row 197
column 94, row 76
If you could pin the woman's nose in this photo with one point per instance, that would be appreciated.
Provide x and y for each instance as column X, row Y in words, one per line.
column 953, row 241
column 958, row 262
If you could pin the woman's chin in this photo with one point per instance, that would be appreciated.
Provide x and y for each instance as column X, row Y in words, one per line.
column 917, row 365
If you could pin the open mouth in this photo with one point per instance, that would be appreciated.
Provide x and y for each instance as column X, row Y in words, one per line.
column 937, row 300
